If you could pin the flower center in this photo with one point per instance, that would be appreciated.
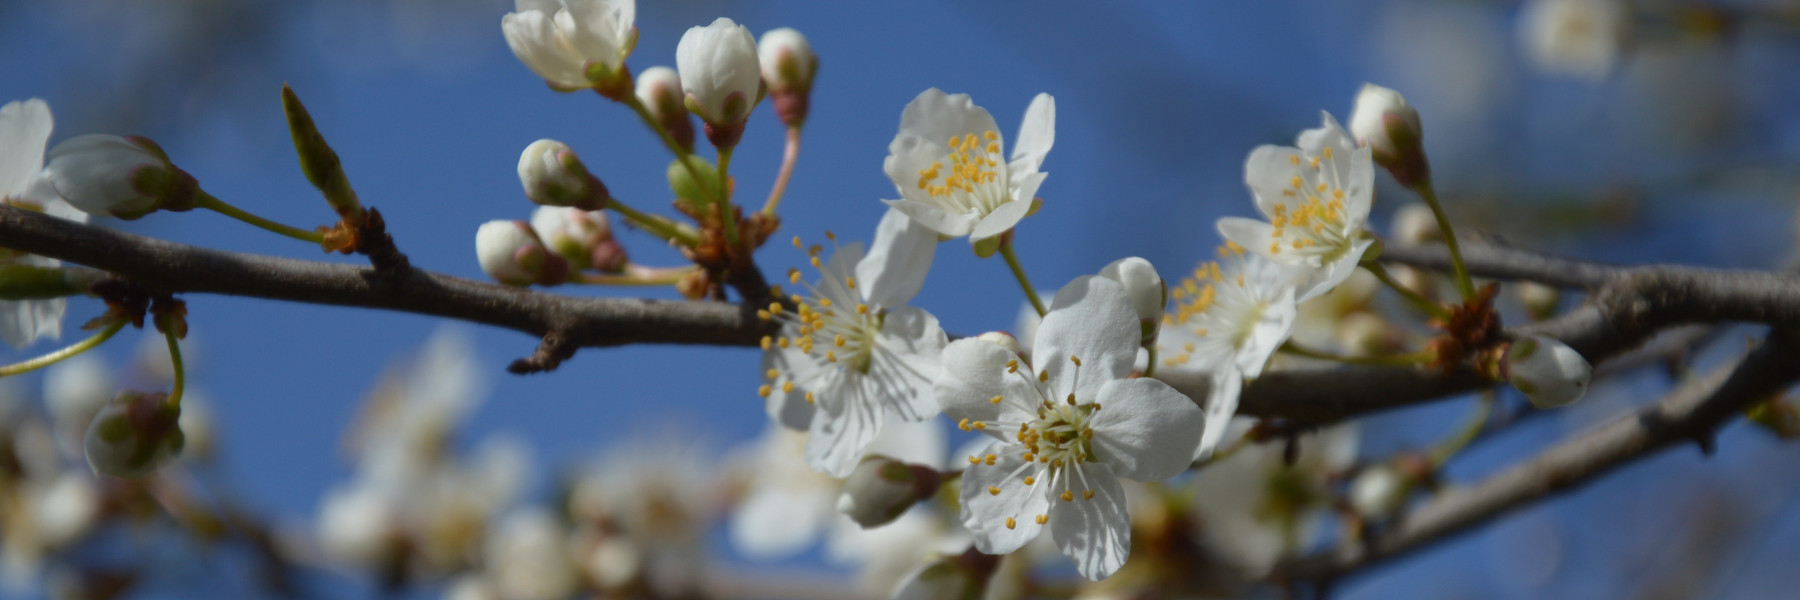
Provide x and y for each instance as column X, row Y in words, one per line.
column 1311, row 218
column 1054, row 438
column 972, row 180
column 833, row 327
column 1213, row 306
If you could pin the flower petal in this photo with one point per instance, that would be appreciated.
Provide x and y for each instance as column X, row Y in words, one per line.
column 1145, row 430
column 929, row 215
column 1095, row 532
column 1266, row 336
column 25, row 321
column 1330, row 274
column 935, row 116
column 1221, row 403
column 774, row 523
column 906, row 362
column 24, row 129
column 912, row 442
column 838, row 437
column 985, row 514
column 791, row 409
column 1003, row 218
column 894, row 270
column 1091, row 318
column 534, row 38
column 837, row 269
column 1037, row 133
column 974, row 372
column 1024, row 186
column 1269, row 171
column 1252, row 234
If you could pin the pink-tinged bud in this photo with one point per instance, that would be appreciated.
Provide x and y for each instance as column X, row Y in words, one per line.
column 721, row 76
column 659, row 88
column 575, row 234
column 124, row 177
column 1390, row 127
column 1146, row 290
column 881, row 488
column 1549, row 372
column 512, row 254
column 133, row 435
column 1003, row 340
column 553, row 176
column 788, row 66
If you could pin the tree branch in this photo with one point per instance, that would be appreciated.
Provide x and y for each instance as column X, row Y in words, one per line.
column 1692, row 411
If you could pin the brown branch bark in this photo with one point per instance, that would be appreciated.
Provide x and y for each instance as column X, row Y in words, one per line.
column 1692, row 411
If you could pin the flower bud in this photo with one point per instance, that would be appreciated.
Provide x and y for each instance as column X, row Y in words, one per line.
column 584, row 238
column 659, row 88
column 554, row 176
column 125, row 177
column 1549, row 372
column 1003, row 340
column 575, row 44
column 319, row 162
column 694, row 196
column 1540, row 300
column 721, row 77
column 1383, row 120
column 962, row 576
column 1146, row 290
column 133, row 435
column 1379, row 491
column 881, row 488
column 511, row 254
column 788, row 66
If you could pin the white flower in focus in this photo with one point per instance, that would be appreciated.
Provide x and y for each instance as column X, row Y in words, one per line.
column 720, row 72
column 1577, row 38
column 1064, row 435
column 527, row 557
column 1547, row 371
column 124, row 177
column 1228, row 321
column 1316, row 198
column 946, row 163
column 1254, row 508
column 853, row 355
column 572, row 44
column 24, row 130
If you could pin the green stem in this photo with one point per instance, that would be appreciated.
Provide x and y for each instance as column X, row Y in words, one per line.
column 180, row 371
column 686, row 157
column 726, row 214
column 209, row 202
column 1394, row 360
column 657, row 226
column 59, row 355
column 1012, row 262
column 1466, row 433
column 1419, row 300
column 1464, row 285
column 1150, row 364
column 636, row 275
column 788, row 157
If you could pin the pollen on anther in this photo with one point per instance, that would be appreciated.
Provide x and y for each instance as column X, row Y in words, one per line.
column 839, row 341
column 783, row 342
column 763, row 314
column 1029, row 480
column 1012, row 366
column 1042, row 519
column 797, row 242
column 974, row 460
column 764, row 391
column 1010, row 523
column 993, row 491
column 1071, row 399
column 767, row 341
column 1043, row 376
column 963, row 424
column 850, row 282
column 1068, row 496
column 979, row 424
column 772, row 373
column 990, row 459
column 809, row 398
column 1087, row 494
column 1075, row 359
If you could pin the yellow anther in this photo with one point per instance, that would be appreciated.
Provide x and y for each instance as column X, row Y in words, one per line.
column 862, row 309
column 1295, row 159
column 850, row 282
column 980, row 424
column 991, row 135
column 767, row 341
column 830, row 356
column 1087, row 434
column 796, row 299
column 1010, row 523
column 1295, row 182
column 797, row 242
column 1321, row 188
column 1075, row 359
column 764, row 391
column 787, row 387
column 815, row 261
column 830, row 236
column 963, row 424
column 783, row 342
column 996, row 399
column 839, row 341
column 1042, row 519
column 1012, row 366
column 1096, row 406
column 1043, row 376
column 764, row 315
column 772, row 373
column 1087, row 494
column 1068, row 496
column 809, row 398
column 774, row 308
column 1029, row 480
column 993, row 490
column 825, row 302
column 990, row 459
column 1328, row 152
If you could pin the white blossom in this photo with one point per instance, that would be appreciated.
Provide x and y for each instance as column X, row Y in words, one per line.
column 527, row 557
column 1228, row 321
column 572, row 44
column 945, row 162
column 1064, row 435
column 853, row 355
column 108, row 175
column 24, row 130
column 1316, row 198
column 1578, row 38
column 720, row 72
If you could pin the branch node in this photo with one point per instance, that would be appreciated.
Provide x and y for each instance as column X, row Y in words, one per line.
column 556, row 348
column 373, row 241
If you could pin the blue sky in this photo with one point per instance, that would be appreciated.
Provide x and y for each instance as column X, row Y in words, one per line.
column 1158, row 103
